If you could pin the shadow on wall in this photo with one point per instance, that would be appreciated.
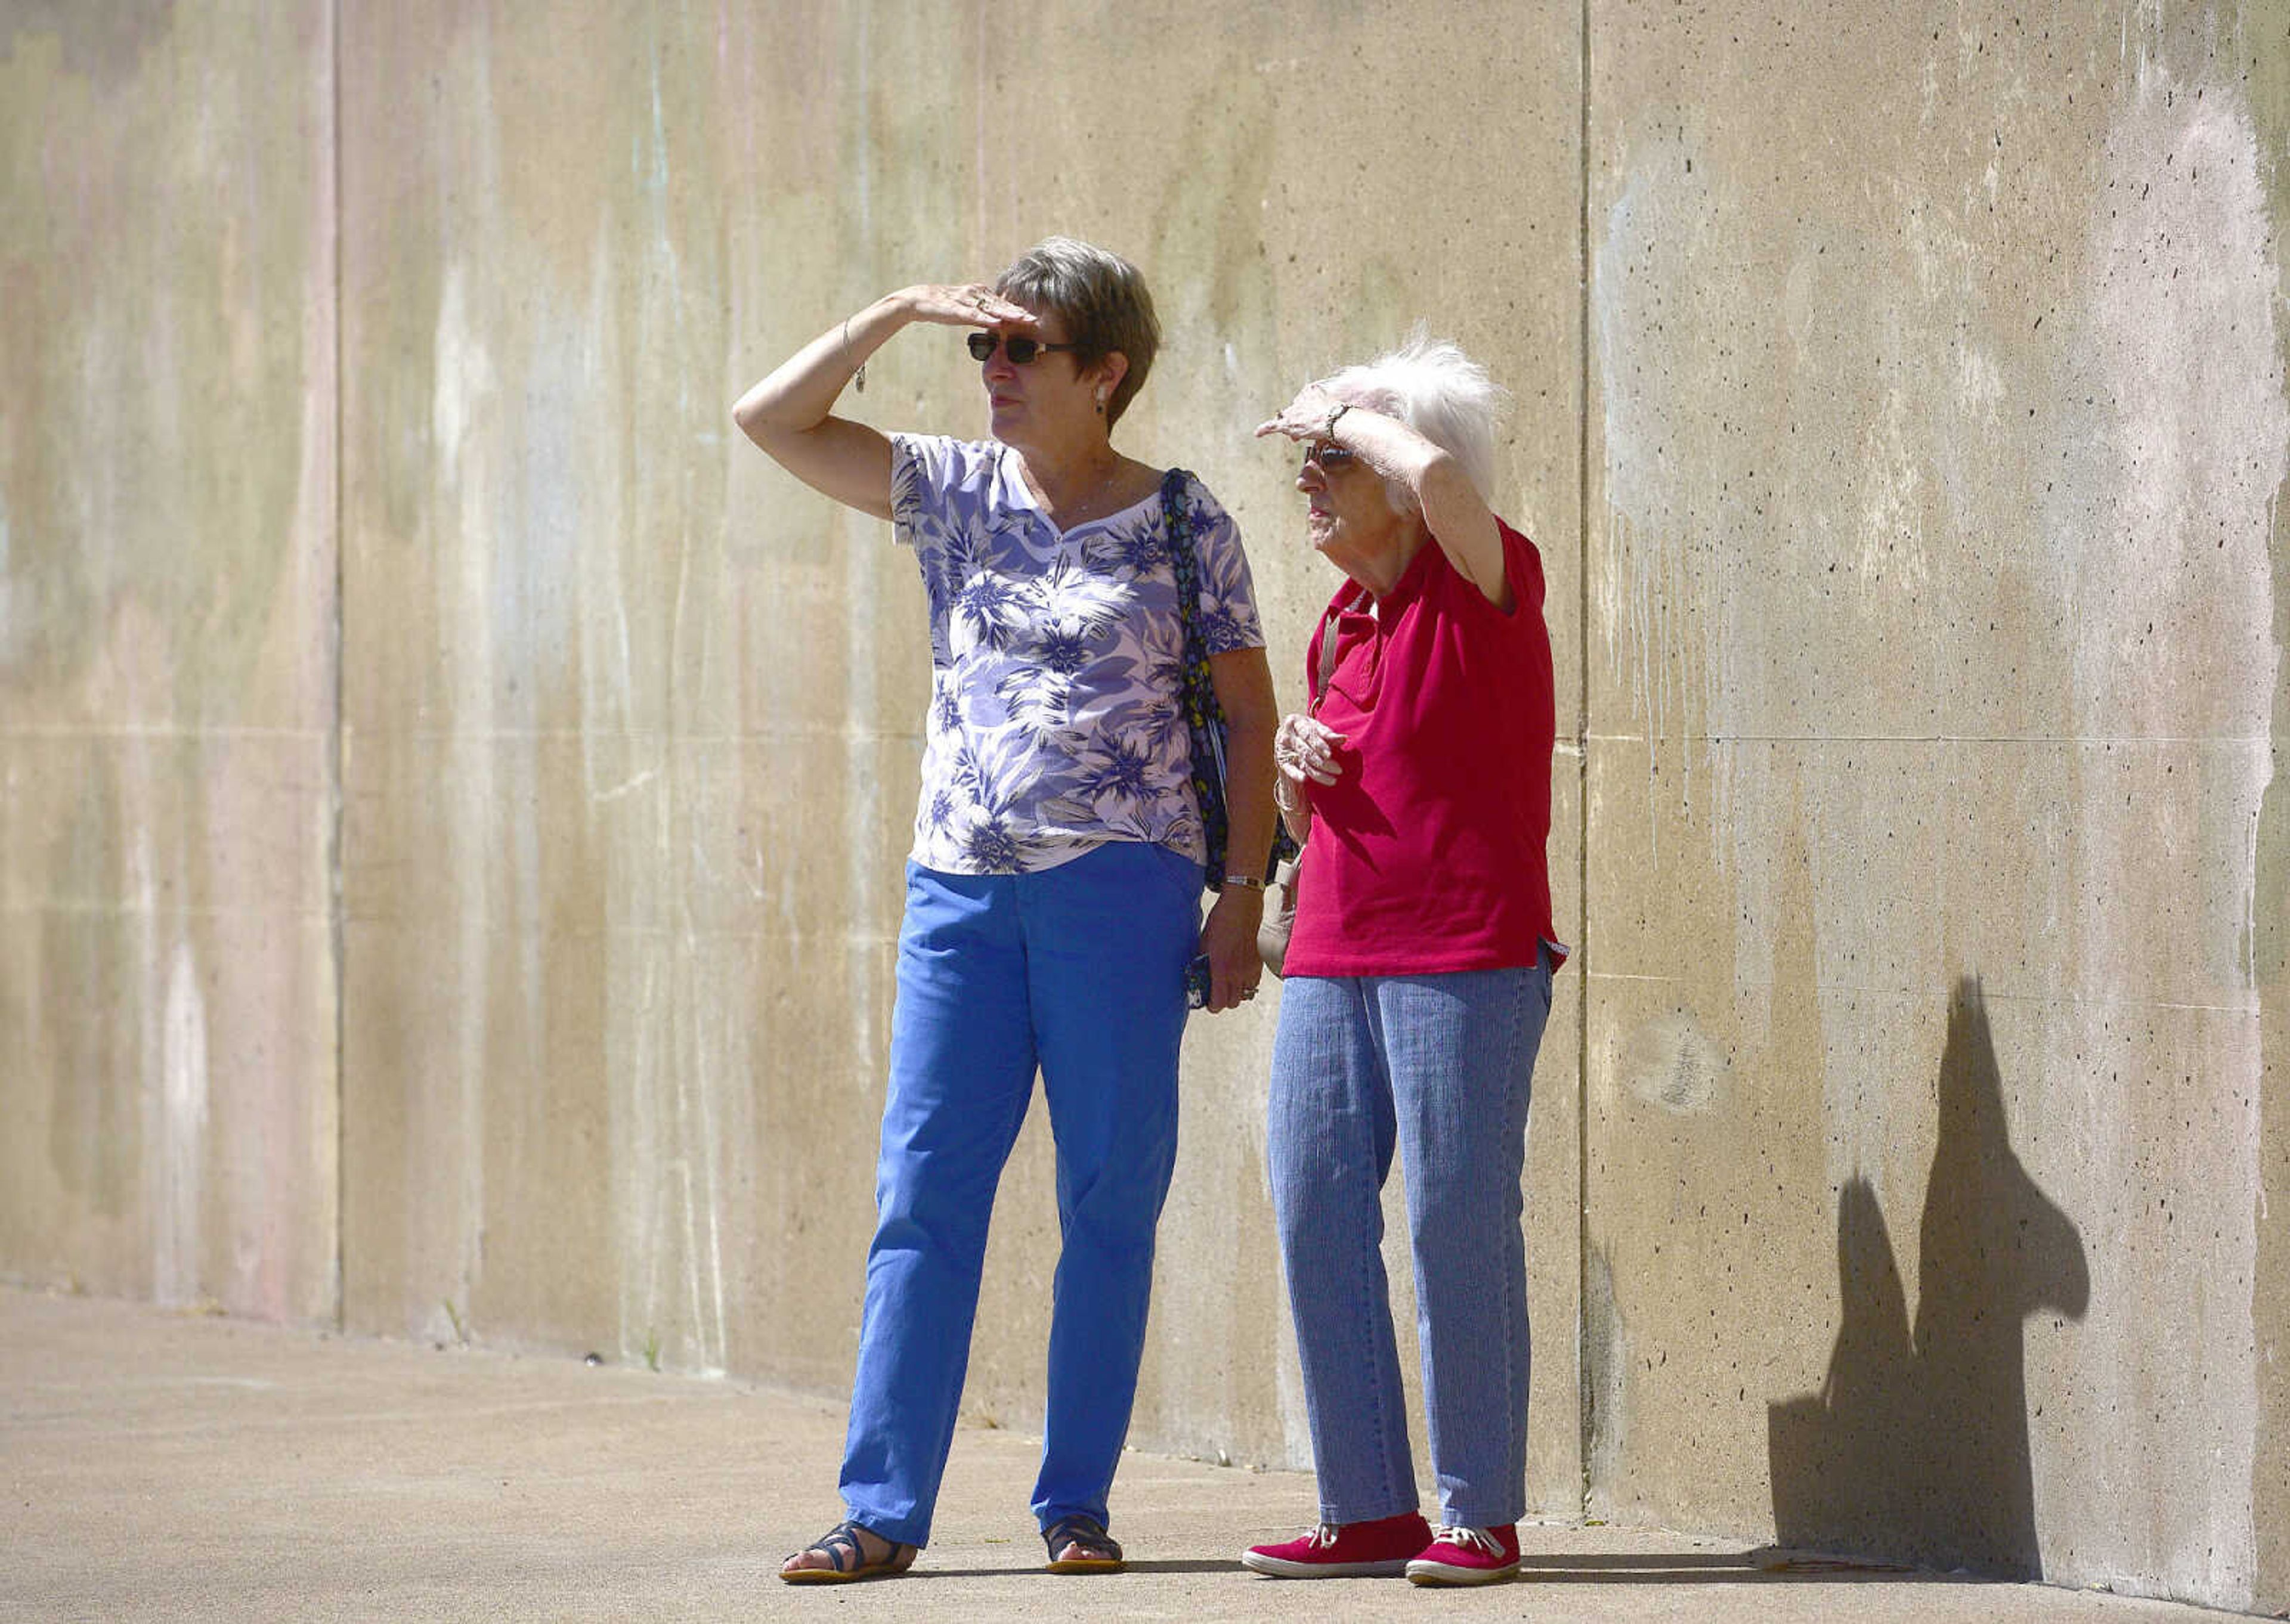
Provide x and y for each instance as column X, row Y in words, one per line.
column 1916, row 1447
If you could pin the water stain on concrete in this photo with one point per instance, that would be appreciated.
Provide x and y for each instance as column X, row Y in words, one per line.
column 1669, row 1061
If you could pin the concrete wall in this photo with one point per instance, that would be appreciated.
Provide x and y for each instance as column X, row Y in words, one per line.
column 1901, row 409
column 1938, row 421
column 168, row 1069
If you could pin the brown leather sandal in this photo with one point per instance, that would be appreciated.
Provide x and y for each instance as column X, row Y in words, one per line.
column 841, row 1547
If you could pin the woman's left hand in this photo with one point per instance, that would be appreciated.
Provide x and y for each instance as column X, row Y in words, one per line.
column 1304, row 417
column 1228, row 938
column 1304, row 750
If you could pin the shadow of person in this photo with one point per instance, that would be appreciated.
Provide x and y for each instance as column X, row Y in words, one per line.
column 1916, row 1447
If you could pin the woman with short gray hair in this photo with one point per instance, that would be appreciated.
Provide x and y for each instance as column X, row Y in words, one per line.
column 1052, row 915
column 1419, row 969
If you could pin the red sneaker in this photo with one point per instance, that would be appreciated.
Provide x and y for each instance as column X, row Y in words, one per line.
column 1380, row 1549
column 1468, row 1556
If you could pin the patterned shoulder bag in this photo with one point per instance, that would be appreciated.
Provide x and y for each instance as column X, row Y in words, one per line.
column 1205, row 721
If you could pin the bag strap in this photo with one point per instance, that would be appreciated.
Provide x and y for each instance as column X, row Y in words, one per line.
column 1186, row 565
column 1327, row 658
column 1200, row 693
column 1286, row 870
column 1203, row 715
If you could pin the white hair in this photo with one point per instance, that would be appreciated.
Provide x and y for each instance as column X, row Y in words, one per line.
column 1431, row 386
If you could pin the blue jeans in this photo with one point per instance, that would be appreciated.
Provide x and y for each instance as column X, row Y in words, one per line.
column 1079, row 970
column 1442, row 1066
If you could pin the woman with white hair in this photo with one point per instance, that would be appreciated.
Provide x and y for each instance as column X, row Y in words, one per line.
column 1052, row 914
column 1419, row 970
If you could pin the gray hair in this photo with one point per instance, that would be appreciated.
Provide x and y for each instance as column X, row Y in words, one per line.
column 1431, row 386
column 1102, row 301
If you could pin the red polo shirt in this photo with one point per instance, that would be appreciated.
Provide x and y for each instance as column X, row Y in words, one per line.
column 1427, row 853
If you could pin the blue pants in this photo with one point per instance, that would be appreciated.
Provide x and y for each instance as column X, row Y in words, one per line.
column 1443, row 1067
column 1079, row 970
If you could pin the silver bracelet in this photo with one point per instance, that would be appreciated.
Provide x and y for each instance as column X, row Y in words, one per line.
column 1247, row 881
column 859, row 377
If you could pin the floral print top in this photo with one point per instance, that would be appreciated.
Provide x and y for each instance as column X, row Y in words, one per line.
column 1054, row 722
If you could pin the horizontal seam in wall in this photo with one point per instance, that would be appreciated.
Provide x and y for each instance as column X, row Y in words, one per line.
column 596, row 736
column 2086, row 738
column 1919, row 994
column 868, row 939
column 137, row 910
column 309, row 734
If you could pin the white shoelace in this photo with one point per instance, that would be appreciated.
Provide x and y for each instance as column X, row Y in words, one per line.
column 1473, row 1538
column 1325, row 1534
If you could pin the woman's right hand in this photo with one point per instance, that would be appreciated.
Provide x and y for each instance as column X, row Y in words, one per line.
column 790, row 413
column 1304, row 418
column 971, row 304
column 1305, row 751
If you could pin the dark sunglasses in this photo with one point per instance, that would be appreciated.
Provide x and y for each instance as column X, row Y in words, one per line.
column 1022, row 350
column 1329, row 455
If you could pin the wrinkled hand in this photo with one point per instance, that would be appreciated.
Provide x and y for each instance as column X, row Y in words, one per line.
column 1305, row 751
column 1304, row 417
column 1228, row 938
column 973, row 304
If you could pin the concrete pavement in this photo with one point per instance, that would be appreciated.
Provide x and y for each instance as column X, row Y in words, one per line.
column 169, row 1465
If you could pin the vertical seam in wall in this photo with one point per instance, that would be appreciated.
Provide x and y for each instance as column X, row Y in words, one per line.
column 335, row 856
column 1583, row 1394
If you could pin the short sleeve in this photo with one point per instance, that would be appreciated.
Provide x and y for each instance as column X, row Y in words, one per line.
column 1227, row 614
column 924, row 467
column 1523, row 562
column 1522, row 568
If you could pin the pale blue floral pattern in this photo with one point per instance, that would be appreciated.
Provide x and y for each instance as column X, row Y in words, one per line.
column 1053, row 724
